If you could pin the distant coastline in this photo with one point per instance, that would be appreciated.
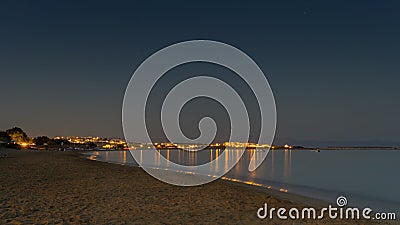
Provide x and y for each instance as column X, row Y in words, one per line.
column 17, row 138
column 361, row 148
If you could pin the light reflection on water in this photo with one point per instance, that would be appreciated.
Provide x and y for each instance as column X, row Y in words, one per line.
column 366, row 177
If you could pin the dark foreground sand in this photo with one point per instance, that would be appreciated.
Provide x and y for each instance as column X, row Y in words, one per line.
column 64, row 188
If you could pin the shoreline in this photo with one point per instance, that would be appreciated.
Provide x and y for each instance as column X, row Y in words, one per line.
column 231, row 181
column 64, row 187
column 303, row 190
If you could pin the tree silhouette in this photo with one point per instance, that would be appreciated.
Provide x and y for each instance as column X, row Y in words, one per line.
column 4, row 137
column 17, row 134
column 41, row 140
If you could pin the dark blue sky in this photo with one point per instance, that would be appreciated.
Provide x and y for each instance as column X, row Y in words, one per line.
column 333, row 66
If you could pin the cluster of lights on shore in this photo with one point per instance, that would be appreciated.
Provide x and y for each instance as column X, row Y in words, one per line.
column 199, row 146
column 105, row 143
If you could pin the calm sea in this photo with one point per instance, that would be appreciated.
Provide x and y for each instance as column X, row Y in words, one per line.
column 366, row 177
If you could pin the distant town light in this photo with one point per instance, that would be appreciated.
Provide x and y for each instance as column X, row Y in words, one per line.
column 24, row 144
column 287, row 146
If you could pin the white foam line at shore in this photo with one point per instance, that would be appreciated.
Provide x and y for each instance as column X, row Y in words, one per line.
column 251, row 183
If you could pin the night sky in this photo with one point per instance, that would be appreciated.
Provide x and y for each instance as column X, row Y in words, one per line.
column 334, row 66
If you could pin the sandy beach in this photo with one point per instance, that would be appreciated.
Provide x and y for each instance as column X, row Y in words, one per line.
column 39, row 187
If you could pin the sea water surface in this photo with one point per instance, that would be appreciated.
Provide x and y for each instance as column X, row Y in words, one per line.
column 368, row 178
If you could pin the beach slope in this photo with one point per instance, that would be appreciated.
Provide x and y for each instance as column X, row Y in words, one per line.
column 65, row 188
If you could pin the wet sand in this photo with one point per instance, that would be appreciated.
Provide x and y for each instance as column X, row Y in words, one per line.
column 65, row 188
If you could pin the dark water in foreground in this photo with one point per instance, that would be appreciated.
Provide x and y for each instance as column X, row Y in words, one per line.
column 365, row 177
